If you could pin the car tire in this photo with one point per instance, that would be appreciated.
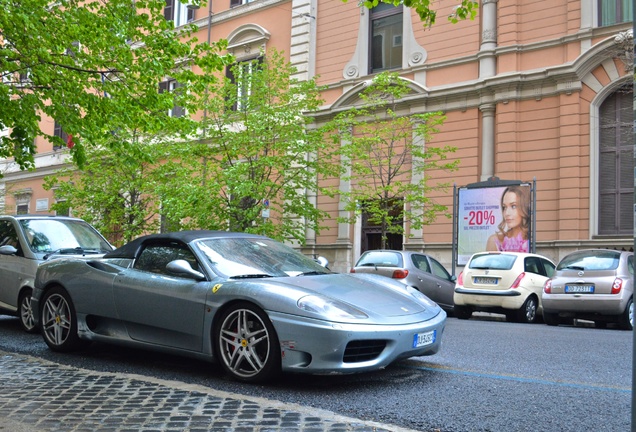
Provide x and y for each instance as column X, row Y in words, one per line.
column 626, row 319
column 462, row 312
column 527, row 313
column 25, row 312
column 246, row 344
column 59, row 321
column 551, row 319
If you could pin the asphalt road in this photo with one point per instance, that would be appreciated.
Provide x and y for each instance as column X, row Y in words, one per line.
column 490, row 376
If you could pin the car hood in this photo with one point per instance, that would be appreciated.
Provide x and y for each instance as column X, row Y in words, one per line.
column 375, row 295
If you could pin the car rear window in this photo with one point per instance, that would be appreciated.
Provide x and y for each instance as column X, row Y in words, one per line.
column 383, row 259
column 599, row 260
column 492, row 262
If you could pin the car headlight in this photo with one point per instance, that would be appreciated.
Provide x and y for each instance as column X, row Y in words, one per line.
column 330, row 309
column 421, row 297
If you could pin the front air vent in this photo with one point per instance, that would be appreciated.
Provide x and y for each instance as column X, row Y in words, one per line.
column 363, row 350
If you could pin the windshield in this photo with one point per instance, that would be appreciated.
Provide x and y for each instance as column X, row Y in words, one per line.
column 589, row 261
column 50, row 235
column 492, row 262
column 256, row 257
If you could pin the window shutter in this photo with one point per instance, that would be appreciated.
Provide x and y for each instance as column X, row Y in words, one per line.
column 168, row 10
column 616, row 164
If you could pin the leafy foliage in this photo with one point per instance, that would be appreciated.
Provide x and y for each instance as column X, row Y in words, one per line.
column 390, row 157
column 466, row 9
column 114, row 191
column 258, row 154
column 93, row 66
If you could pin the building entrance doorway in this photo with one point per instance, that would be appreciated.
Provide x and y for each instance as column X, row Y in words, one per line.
column 371, row 230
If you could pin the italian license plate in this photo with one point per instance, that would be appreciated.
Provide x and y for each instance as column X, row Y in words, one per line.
column 579, row 288
column 423, row 339
column 485, row 280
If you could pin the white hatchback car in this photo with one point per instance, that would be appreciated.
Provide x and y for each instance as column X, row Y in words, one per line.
column 503, row 282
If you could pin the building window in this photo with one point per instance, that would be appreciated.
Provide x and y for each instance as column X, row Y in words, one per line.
column 614, row 12
column 234, row 3
column 177, row 12
column 172, row 86
column 22, row 201
column 240, row 74
column 385, row 37
column 59, row 132
column 616, row 164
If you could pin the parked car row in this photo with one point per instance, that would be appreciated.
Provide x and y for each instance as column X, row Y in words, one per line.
column 258, row 307
column 594, row 284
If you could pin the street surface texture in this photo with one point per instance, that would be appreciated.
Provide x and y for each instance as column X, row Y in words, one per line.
column 490, row 376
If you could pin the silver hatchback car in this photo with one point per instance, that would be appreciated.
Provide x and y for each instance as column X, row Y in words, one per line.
column 418, row 270
column 28, row 240
column 593, row 284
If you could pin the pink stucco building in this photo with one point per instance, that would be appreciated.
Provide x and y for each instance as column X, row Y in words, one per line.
column 535, row 90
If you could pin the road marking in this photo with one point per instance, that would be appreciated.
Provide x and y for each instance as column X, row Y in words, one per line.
column 445, row 369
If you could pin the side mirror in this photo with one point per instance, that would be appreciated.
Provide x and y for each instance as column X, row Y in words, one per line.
column 8, row 250
column 182, row 268
column 322, row 261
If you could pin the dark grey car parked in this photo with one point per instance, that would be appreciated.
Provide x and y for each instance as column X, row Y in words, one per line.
column 28, row 240
column 415, row 269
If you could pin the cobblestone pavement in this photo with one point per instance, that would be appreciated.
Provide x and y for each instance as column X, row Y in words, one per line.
column 37, row 395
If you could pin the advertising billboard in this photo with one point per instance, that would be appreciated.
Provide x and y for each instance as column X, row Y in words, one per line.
column 493, row 218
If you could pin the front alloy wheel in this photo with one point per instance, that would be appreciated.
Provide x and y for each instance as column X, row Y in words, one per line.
column 247, row 344
column 59, row 322
column 25, row 312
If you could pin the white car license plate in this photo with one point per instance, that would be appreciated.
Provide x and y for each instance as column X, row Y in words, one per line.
column 485, row 280
column 579, row 288
column 423, row 339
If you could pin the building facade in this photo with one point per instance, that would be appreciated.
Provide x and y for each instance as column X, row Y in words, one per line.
column 535, row 91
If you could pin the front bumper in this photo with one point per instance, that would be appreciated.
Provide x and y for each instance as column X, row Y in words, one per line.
column 329, row 348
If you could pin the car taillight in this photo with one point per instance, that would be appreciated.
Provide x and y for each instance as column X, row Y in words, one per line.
column 517, row 281
column 617, row 285
column 400, row 274
column 547, row 287
column 460, row 279
column 352, row 270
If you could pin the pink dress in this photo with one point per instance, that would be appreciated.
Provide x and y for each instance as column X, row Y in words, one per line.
column 512, row 244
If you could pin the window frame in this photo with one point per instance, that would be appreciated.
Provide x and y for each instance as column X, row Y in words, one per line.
column 382, row 11
column 178, row 13
column 618, row 14
column 170, row 85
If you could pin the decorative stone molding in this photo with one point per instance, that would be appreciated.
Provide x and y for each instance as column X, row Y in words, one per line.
column 246, row 40
column 625, row 44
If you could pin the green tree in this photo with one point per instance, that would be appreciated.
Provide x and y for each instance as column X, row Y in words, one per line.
column 465, row 9
column 389, row 158
column 259, row 158
column 114, row 190
column 94, row 67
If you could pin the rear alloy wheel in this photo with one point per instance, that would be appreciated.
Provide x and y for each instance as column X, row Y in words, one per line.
column 462, row 312
column 626, row 319
column 528, row 312
column 247, row 344
column 25, row 312
column 59, row 321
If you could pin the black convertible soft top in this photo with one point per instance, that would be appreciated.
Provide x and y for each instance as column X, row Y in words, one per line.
column 129, row 250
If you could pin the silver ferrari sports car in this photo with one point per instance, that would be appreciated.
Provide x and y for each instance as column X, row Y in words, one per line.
column 253, row 305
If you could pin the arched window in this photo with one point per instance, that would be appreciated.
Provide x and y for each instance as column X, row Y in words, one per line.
column 616, row 164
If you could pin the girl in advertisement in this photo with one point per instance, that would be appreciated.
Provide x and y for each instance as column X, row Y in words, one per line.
column 512, row 232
